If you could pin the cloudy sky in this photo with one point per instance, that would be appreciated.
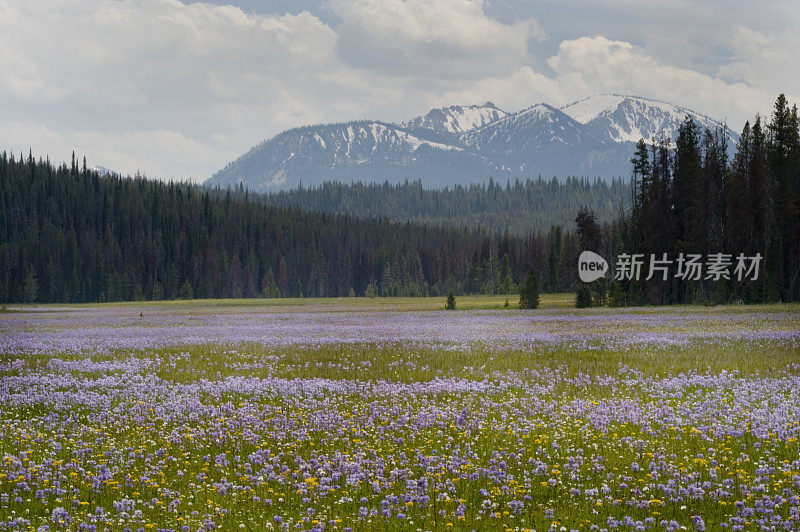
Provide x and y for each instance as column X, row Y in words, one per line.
column 177, row 89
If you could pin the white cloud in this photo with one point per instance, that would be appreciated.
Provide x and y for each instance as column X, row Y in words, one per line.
column 522, row 88
column 410, row 37
column 159, row 65
column 126, row 52
column 177, row 90
column 762, row 58
column 152, row 152
column 593, row 65
column 598, row 64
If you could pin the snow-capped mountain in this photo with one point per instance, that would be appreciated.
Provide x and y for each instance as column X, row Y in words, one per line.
column 464, row 144
column 545, row 140
column 529, row 132
column 630, row 118
column 352, row 151
column 457, row 119
column 102, row 170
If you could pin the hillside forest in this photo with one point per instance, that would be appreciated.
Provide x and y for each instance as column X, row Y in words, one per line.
column 69, row 234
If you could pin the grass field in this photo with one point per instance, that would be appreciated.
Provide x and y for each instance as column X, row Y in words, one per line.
column 383, row 414
column 484, row 302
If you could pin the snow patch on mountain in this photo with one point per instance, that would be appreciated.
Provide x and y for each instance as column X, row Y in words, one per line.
column 457, row 119
column 102, row 170
column 416, row 142
column 452, row 145
column 586, row 110
column 623, row 118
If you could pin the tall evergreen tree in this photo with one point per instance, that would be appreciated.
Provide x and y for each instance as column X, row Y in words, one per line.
column 590, row 236
column 553, row 258
column 529, row 291
column 783, row 165
column 696, row 201
column 687, row 201
column 640, row 184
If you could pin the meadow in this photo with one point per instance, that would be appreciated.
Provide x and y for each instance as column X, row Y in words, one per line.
column 393, row 414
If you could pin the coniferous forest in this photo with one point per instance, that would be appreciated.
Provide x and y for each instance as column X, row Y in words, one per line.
column 689, row 198
column 518, row 208
column 69, row 234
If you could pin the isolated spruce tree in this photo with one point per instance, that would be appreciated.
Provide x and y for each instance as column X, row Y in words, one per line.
column 371, row 291
column 533, row 289
column 583, row 296
column 450, row 304
column 529, row 293
column 186, row 291
column 616, row 295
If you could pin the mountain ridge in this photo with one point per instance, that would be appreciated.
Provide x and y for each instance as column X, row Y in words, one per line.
column 592, row 137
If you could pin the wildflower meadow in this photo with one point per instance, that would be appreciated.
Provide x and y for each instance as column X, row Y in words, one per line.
column 190, row 417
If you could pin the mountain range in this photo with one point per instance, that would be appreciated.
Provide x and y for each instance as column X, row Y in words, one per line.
column 454, row 145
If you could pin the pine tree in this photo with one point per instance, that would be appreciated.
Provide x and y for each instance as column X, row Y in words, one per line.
column 583, row 297
column 371, row 291
column 269, row 287
column 590, row 236
column 659, row 217
column 387, row 281
column 506, row 278
column 553, row 259
column 186, row 291
column 529, row 292
column 783, row 165
column 696, row 201
column 689, row 204
column 739, row 225
column 590, row 233
column 640, row 176
column 450, row 304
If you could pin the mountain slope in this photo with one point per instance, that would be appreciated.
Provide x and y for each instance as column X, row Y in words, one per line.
column 351, row 151
column 538, row 140
column 457, row 119
column 629, row 118
column 464, row 144
column 533, row 128
column 517, row 209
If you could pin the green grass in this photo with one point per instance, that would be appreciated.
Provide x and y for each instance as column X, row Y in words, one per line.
column 334, row 304
column 548, row 302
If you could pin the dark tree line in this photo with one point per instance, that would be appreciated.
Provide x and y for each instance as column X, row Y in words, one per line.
column 518, row 208
column 68, row 234
column 689, row 198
